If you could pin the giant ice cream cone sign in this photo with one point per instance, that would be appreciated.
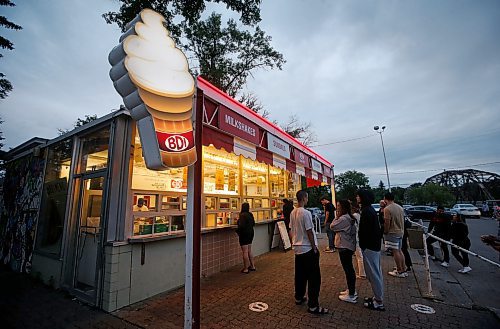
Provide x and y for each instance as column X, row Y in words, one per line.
column 152, row 76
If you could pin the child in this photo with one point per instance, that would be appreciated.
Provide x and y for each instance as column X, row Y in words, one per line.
column 459, row 236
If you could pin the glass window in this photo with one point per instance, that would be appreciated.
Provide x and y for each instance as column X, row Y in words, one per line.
column 255, row 181
column 277, row 178
column 170, row 180
column 220, row 171
column 94, row 150
column 143, row 221
column 210, row 203
column 293, row 184
column 55, row 193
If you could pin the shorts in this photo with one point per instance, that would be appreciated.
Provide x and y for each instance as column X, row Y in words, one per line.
column 393, row 242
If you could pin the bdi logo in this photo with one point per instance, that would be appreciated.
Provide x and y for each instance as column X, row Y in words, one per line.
column 176, row 143
column 176, row 183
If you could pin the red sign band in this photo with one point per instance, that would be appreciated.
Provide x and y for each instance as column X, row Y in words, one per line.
column 175, row 142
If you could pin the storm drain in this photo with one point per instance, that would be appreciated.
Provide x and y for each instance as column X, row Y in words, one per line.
column 423, row 308
column 258, row 307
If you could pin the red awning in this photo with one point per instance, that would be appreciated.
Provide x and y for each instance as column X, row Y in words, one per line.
column 312, row 182
column 264, row 156
column 218, row 139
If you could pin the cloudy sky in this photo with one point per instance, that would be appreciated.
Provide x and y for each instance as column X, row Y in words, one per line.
column 427, row 70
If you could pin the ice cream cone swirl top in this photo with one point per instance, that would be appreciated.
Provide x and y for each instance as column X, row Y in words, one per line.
column 153, row 62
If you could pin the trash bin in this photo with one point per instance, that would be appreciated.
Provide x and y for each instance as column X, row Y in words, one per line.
column 415, row 236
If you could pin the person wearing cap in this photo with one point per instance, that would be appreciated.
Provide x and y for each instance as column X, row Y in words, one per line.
column 329, row 211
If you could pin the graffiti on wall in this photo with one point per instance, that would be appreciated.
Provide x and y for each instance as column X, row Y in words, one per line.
column 22, row 189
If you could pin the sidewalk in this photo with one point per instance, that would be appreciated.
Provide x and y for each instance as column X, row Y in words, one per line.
column 225, row 298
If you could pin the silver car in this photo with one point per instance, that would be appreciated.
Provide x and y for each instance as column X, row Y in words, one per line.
column 467, row 209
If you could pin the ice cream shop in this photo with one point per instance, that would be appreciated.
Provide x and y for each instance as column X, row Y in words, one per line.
column 99, row 214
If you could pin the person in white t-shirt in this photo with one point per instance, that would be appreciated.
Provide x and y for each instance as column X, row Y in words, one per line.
column 305, row 247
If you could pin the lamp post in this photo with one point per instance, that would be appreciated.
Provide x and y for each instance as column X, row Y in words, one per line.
column 380, row 131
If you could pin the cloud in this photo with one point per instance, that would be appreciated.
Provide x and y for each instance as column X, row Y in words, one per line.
column 429, row 71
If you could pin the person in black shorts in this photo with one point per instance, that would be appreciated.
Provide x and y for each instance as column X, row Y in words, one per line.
column 245, row 232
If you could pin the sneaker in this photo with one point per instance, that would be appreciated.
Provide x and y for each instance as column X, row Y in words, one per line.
column 445, row 264
column 397, row 274
column 466, row 269
column 349, row 298
column 329, row 250
column 346, row 292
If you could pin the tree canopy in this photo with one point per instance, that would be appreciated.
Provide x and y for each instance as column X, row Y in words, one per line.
column 5, row 85
column 78, row 123
column 225, row 55
column 347, row 184
column 431, row 194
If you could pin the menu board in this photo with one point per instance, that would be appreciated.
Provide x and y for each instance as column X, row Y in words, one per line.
column 219, row 179
column 232, row 181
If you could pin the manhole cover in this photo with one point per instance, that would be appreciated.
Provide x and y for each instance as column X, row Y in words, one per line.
column 258, row 307
column 423, row 308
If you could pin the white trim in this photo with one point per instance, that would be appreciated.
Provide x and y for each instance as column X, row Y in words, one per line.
column 245, row 149
column 279, row 162
column 300, row 170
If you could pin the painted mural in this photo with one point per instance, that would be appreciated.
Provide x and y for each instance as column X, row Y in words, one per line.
column 22, row 189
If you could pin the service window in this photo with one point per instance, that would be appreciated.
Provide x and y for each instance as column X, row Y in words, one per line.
column 277, row 177
column 220, row 172
column 255, row 178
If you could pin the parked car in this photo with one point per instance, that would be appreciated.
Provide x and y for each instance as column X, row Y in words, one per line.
column 467, row 209
column 315, row 211
column 421, row 212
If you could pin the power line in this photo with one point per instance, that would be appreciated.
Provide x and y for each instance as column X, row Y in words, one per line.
column 344, row 141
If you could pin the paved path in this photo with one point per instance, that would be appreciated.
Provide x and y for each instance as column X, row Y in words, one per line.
column 225, row 300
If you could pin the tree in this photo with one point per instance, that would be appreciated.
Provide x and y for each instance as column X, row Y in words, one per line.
column 379, row 191
column 251, row 101
column 431, row 194
column 78, row 123
column 315, row 193
column 300, row 130
column 226, row 56
column 5, row 85
column 348, row 183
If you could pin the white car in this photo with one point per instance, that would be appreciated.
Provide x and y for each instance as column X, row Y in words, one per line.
column 467, row 209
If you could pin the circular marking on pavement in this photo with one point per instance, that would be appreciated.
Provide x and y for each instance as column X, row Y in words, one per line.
column 258, row 307
column 423, row 308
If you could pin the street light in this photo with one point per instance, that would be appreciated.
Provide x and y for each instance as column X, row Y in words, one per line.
column 380, row 131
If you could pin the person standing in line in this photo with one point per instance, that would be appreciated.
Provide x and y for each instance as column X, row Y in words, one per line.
column 245, row 231
column 287, row 210
column 305, row 247
column 329, row 211
column 459, row 234
column 370, row 236
column 358, row 253
column 382, row 204
column 441, row 224
column 393, row 234
column 404, row 248
column 344, row 226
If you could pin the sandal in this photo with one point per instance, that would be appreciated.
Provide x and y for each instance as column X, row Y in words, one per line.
column 245, row 271
column 370, row 304
column 301, row 301
column 318, row 310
